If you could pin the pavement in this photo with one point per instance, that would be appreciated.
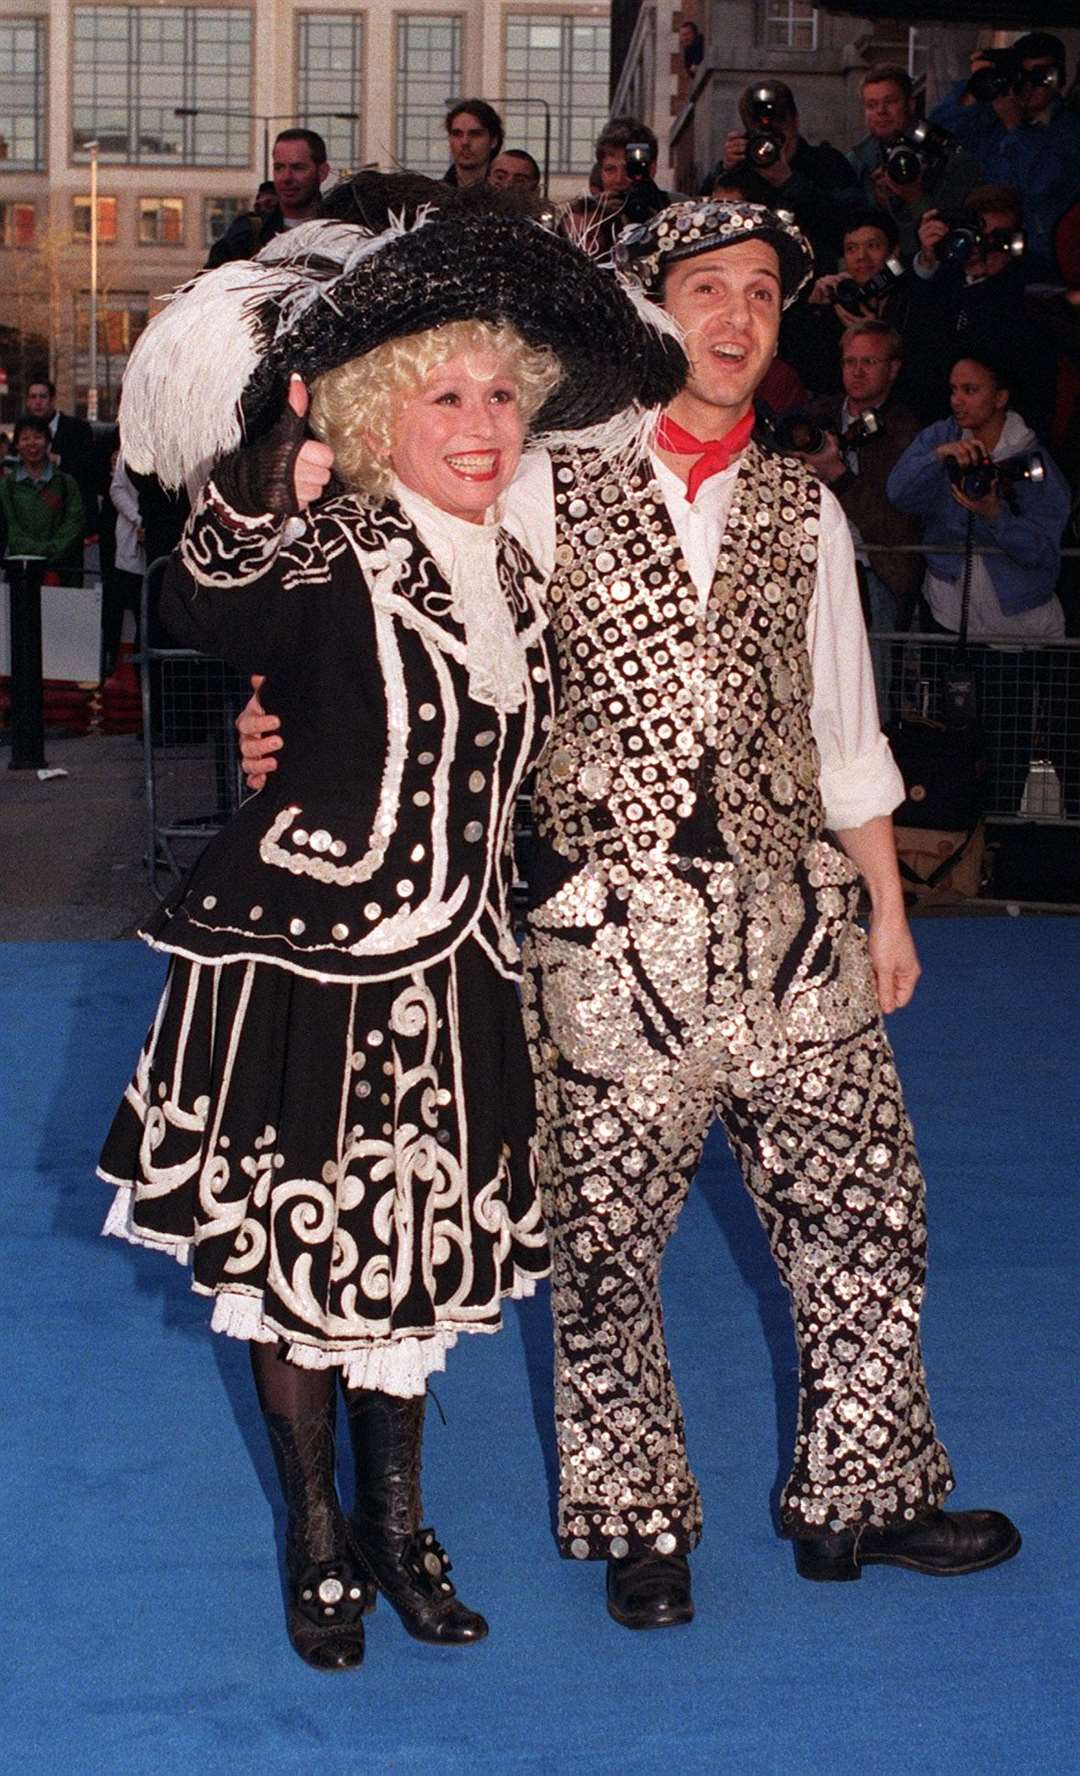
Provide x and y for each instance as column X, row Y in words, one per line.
column 72, row 848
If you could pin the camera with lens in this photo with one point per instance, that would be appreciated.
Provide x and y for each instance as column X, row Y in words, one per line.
column 851, row 295
column 765, row 114
column 803, row 433
column 977, row 481
column 918, row 152
column 643, row 199
column 967, row 236
column 996, row 81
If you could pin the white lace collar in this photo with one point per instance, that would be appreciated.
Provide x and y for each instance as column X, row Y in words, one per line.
column 467, row 556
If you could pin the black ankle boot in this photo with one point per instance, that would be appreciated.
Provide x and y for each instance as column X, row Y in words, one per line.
column 650, row 1590
column 328, row 1591
column 942, row 1543
column 405, row 1560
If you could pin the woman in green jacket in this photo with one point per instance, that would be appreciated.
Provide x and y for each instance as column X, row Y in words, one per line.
column 41, row 512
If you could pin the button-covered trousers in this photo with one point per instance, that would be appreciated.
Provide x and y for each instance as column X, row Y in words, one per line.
column 653, row 1007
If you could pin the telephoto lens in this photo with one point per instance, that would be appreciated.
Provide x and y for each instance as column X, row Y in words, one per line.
column 973, row 480
column 994, row 82
column 764, row 137
column 799, row 432
column 903, row 163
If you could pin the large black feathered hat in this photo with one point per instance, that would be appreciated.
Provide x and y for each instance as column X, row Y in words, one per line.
column 213, row 367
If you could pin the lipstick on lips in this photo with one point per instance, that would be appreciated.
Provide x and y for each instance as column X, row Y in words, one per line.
column 479, row 465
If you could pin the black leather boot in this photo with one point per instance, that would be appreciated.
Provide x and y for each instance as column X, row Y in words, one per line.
column 405, row 1560
column 328, row 1590
column 943, row 1543
column 650, row 1590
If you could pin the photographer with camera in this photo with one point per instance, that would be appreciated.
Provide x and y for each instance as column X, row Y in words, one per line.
column 1011, row 116
column 803, row 177
column 967, row 290
column 904, row 164
column 982, row 473
column 870, row 285
column 626, row 152
column 856, row 457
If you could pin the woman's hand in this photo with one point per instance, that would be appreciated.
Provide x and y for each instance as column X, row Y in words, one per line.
column 259, row 739
column 281, row 473
column 314, row 461
column 966, row 451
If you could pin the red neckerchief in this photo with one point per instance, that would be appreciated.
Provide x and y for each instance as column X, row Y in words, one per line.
column 713, row 455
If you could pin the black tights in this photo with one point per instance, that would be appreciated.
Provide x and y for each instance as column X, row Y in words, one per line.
column 299, row 1406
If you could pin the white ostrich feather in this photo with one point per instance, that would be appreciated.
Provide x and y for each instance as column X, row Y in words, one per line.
column 189, row 369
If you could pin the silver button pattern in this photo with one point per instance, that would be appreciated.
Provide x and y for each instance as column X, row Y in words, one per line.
column 297, row 927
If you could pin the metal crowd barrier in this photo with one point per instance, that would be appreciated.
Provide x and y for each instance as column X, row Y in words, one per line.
column 1028, row 706
column 191, row 756
column 1028, row 697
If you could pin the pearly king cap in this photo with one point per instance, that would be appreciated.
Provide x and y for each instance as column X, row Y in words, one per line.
column 685, row 229
column 212, row 369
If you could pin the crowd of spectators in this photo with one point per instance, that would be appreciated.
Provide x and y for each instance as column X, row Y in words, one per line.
column 948, row 261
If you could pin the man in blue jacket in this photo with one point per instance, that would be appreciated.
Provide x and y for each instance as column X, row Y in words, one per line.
column 1024, row 136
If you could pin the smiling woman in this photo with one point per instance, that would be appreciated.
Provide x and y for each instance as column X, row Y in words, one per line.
column 333, row 1114
column 465, row 365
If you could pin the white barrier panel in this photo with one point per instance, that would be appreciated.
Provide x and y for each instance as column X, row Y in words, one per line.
column 70, row 632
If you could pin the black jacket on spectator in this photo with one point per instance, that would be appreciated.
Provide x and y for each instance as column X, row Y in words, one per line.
column 810, row 335
column 818, row 172
column 73, row 442
column 862, row 496
column 244, row 236
column 949, row 314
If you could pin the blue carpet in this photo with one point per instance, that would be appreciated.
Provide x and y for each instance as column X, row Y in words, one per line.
column 142, row 1617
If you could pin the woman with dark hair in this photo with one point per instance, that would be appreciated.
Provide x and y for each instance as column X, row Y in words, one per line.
column 957, row 478
column 474, row 130
column 332, row 1116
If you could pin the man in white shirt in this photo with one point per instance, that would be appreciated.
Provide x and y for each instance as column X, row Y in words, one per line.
column 694, row 951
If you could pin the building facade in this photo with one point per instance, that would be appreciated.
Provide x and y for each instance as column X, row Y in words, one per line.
column 184, row 101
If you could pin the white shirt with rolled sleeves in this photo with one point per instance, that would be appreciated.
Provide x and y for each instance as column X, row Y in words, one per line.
column 859, row 777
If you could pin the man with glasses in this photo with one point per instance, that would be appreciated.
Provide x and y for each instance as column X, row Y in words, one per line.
column 871, row 357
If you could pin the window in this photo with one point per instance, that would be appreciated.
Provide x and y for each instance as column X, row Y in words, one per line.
column 107, row 209
column 564, row 62
column 17, row 224
column 428, row 74
column 219, row 213
column 790, row 24
column 135, row 67
column 22, row 94
column 329, row 88
column 161, row 221
column 122, row 315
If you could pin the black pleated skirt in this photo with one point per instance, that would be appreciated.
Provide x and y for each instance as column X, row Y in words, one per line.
column 343, row 1166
